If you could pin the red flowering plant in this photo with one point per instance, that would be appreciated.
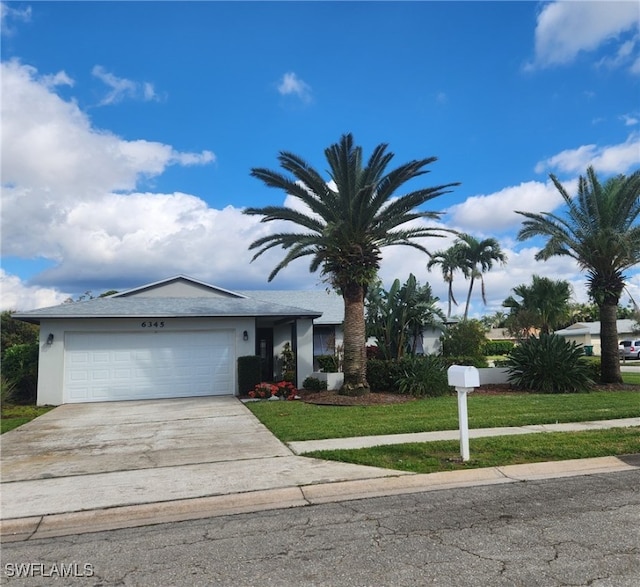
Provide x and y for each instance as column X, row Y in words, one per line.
column 264, row 390
column 287, row 390
column 282, row 389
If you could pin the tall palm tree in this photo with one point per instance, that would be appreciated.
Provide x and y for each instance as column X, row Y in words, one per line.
column 450, row 262
column 600, row 231
column 477, row 257
column 546, row 301
column 348, row 221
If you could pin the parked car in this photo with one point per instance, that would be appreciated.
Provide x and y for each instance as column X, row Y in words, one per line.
column 630, row 349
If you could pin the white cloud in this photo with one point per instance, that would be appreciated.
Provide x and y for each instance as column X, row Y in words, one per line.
column 630, row 119
column 16, row 295
column 53, row 160
column 292, row 84
column 495, row 213
column 122, row 88
column 8, row 13
column 608, row 159
column 564, row 29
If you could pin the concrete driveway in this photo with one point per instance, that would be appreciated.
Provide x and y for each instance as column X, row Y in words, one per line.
column 93, row 456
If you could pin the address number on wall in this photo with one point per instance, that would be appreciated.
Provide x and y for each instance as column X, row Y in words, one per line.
column 152, row 324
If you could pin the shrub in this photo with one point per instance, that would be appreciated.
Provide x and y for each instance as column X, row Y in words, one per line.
column 314, row 384
column 471, row 361
column 382, row 375
column 423, row 376
column 282, row 389
column 249, row 372
column 20, row 369
column 328, row 363
column 498, row 347
column 549, row 364
column 465, row 338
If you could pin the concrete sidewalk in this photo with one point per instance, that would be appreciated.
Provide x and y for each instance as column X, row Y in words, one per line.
column 306, row 446
column 89, row 468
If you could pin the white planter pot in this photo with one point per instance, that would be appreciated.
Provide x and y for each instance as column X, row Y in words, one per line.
column 334, row 380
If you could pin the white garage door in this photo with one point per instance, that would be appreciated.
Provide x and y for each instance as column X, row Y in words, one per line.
column 107, row 366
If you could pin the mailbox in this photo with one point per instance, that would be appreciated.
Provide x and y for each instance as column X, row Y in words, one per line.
column 463, row 376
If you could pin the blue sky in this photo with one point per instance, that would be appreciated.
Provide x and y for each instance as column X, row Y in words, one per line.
column 129, row 129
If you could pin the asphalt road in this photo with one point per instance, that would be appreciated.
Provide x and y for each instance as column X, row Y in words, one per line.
column 569, row 531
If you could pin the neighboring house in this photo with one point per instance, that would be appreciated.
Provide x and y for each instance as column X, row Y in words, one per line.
column 588, row 333
column 174, row 338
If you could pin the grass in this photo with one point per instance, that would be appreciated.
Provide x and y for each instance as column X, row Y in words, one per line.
column 431, row 457
column 13, row 416
column 291, row 421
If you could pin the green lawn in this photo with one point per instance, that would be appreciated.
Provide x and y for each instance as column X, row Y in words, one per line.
column 430, row 457
column 14, row 416
column 300, row 421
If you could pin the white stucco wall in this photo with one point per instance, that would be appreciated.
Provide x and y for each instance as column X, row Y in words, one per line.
column 305, row 350
column 51, row 357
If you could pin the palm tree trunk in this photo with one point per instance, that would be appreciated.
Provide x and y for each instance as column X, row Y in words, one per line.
column 355, row 356
column 466, row 308
column 610, row 360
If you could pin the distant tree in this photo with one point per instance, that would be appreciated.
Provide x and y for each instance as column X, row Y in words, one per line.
column 344, row 223
column 599, row 230
column 450, row 261
column 476, row 258
column 545, row 303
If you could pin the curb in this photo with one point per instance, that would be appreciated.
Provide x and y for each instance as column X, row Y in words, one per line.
column 101, row 520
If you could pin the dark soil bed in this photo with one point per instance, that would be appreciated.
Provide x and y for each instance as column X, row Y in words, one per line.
column 332, row 398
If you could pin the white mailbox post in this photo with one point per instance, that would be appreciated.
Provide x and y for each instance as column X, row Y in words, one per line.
column 465, row 380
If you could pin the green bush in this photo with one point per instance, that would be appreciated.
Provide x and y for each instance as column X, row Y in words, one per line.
column 595, row 367
column 249, row 373
column 422, row 376
column 465, row 338
column 549, row 364
column 382, row 375
column 471, row 361
column 498, row 347
column 314, row 384
column 20, row 369
column 328, row 363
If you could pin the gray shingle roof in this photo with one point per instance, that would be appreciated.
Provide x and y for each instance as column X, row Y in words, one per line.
column 167, row 308
column 329, row 303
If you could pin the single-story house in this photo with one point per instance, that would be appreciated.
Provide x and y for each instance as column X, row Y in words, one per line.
column 173, row 338
column 181, row 337
column 588, row 333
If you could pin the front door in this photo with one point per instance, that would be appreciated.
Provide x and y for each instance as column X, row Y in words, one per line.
column 264, row 349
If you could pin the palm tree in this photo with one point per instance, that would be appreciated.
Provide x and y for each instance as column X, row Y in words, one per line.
column 348, row 221
column 477, row 257
column 600, row 231
column 450, row 262
column 545, row 301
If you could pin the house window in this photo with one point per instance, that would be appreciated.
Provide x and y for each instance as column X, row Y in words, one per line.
column 324, row 341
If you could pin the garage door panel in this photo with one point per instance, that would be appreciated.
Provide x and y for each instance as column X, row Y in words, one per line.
column 116, row 366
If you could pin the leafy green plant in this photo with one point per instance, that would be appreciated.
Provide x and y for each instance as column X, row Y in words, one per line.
column 383, row 375
column 328, row 363
column 472, row 361
column 20, row 368
column 498, row 347
column 549, row 364
column 466, row 338
column 423, row 376
column 314, row 384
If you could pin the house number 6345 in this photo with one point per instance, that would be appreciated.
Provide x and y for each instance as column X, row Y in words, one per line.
column 152, row 324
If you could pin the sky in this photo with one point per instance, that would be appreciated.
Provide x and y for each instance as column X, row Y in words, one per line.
column 129, row 129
